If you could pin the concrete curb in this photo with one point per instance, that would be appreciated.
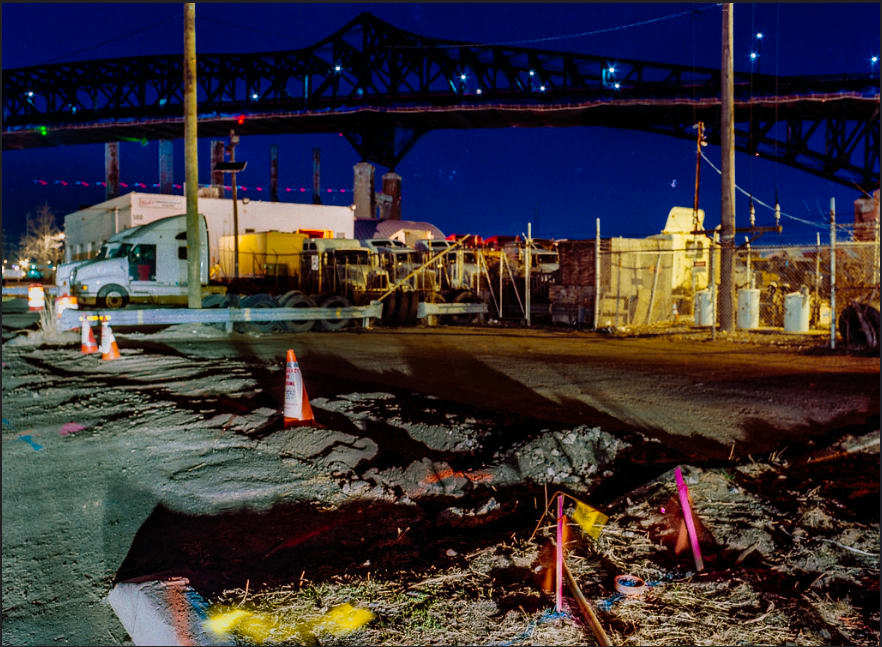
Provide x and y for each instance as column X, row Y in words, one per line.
column 163, row 612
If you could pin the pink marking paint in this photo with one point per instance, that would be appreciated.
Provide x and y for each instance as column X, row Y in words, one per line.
column 558, row 605
column 70, row 428
column 687, row 515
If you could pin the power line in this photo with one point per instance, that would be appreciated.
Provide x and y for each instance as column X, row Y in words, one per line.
column 102, row 43
column 560, row 37
column 758, row 201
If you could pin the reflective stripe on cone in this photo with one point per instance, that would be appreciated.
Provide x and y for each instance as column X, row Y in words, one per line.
column 297, row 410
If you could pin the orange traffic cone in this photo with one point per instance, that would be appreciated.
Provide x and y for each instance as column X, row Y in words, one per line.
column 109, row 349
column 88, row 344
column 297, row 409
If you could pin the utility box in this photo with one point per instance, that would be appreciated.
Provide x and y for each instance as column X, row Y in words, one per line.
column 703, row 308
column 748, row 309
column 796, row 312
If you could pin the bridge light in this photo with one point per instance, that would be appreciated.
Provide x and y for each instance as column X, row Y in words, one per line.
column 240, row 119
column 611, row 69
column 479, row 91
column 541, row 88
column 30, row 93
column 874, row 59
column 759, row 35
column 532, row 73
column 337, row 68
column 43, row 131
column 753, row 56
column 163, row 101
column 617, row 85
column 462, row 77
column 255, row 96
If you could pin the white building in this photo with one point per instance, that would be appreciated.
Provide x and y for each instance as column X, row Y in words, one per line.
column 87, row 229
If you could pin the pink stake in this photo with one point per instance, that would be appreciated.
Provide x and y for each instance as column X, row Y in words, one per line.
column 559, row 592
column 687, row 515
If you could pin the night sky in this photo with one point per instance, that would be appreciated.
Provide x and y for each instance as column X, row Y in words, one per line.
column 479, row 181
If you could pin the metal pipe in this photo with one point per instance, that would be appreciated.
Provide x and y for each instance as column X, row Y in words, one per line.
column 597, row 276
column 500, row 285
column 194, row 279
column 833, row 273
column 727, row 141
column 654, row 285
column 527, row 259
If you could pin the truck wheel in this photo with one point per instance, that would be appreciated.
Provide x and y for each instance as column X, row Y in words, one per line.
column 390, row 308
column 332, row 325
column 408, row 306
column 258, row 301
column 296, row 299
column 464, row 297
column 215, row 301
column 113, row 297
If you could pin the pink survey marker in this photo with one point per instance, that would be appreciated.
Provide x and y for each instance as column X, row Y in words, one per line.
column 687, row 515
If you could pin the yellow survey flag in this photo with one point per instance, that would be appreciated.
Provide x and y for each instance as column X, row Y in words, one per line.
column 590, row 520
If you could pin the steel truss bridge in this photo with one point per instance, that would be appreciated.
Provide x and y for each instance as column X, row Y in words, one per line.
column 383, row 88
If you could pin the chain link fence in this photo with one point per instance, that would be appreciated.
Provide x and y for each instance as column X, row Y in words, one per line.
column 665, row 280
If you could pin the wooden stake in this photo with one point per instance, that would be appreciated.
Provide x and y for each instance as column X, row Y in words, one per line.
column 596, row 627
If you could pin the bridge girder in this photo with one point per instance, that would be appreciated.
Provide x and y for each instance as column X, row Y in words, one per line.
column 384, row 87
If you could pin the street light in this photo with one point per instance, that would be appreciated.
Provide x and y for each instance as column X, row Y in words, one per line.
column 233, row 167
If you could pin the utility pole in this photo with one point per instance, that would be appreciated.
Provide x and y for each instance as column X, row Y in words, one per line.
column 698, row 143
column 597, row 275
column 833, row 273
column 194, row 278
column 727, row 215
column 527, row 261
column 234, row 140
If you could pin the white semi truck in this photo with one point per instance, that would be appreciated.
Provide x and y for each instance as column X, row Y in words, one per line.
column 148, row 262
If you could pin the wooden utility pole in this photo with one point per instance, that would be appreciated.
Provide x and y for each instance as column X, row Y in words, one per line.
column 727, row 215
column 234, row 140
column 194, row 279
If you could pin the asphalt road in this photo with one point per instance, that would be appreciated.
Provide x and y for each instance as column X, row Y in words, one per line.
column 699, row 396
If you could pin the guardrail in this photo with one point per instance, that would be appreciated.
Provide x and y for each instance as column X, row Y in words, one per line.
column 22, row 290
column 425, row 309
column 71, row 318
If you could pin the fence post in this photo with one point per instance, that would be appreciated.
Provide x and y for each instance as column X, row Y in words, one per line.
column 527, row 261
column 597, row 276
column 833, row 273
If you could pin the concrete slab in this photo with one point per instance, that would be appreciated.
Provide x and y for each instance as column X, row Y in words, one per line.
column 163, row 612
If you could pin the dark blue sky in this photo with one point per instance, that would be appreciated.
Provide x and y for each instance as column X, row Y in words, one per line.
column 481, row 181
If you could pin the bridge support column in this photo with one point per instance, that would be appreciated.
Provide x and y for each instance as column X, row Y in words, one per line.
column 363, row 190
column 166, row 165
column 111, row 170
column 274, row 173
column 217, row 177
column 316, row 176
column 392, row 188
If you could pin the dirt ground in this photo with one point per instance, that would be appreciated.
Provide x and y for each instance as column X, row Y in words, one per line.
column 416, row 494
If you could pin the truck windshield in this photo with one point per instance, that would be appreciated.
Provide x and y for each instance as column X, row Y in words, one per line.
column 351, row 257
column 116, row 250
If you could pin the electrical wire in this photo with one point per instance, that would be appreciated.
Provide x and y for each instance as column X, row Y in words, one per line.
column 560, row 37
column 102, row 43
column 758, row 201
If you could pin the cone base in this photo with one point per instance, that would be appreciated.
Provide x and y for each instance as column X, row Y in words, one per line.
column 86, row 350
column 297, row 422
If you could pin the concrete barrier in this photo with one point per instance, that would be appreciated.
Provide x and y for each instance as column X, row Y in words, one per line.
column 163, row 612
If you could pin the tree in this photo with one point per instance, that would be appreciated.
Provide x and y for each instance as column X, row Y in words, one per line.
column 43, row 241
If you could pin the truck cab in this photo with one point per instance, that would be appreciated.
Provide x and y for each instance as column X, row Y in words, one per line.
column 113, row 248
column 150, row 265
